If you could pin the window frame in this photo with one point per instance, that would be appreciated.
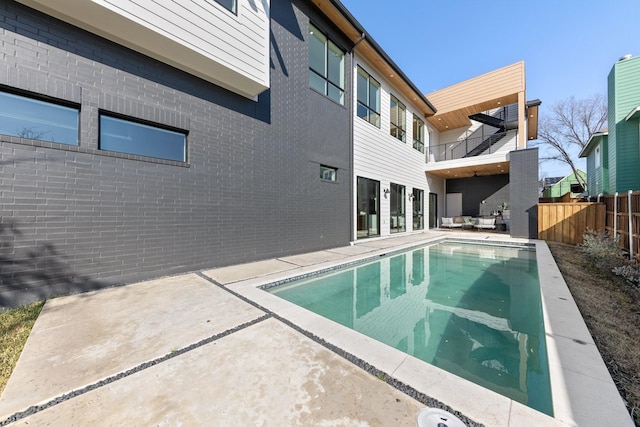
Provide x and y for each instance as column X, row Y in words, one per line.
column 48, row 102
column 597, row 154
column 326, row 74
column 397, row 208
column 144, row 123
column 333, row 177
column 417, row 205
column 233, row 10
column 401, row 126
column 369, row 110
column 367, row 207
column 418, row 143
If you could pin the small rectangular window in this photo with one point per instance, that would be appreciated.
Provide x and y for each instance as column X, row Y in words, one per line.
column 326, row 66
column 368, row 98
column 125, row 136
column 229, row 4
column 327, row 173
column 597, row 156
column 398, row 119
column 32, row 118
column 418, row 134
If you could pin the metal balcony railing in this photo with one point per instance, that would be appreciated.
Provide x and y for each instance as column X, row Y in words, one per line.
column 467, row 147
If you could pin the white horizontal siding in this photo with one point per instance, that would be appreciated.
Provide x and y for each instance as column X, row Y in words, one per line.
column 506, row 144
column 198, row 36
column 379, row 156
column 202, row 27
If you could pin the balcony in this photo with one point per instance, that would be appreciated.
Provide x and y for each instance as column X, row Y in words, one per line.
column 474, row 145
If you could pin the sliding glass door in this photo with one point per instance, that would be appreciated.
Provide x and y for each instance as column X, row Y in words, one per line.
column 418, row 209
column 398, row 208
column 433, row 210
column 368, row 206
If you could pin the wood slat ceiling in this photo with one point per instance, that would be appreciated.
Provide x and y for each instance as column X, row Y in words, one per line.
column 460, row 118
column 498, row 168
column 368, row 52
column 494, row 89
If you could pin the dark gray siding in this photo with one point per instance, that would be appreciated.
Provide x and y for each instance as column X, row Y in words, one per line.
column 76, row 218
column 519, row 188
column 492, row 189
column 524, row 193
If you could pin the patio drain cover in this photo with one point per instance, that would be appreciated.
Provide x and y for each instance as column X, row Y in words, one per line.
column 432, row 417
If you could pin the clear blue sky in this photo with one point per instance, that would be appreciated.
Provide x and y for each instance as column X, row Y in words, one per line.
column 568, row 46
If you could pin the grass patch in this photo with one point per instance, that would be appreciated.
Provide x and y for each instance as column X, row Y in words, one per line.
column 15, row 326
column 611, row 309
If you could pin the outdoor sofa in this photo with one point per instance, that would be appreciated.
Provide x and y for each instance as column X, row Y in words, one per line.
column 485, row 223
column 451, row 223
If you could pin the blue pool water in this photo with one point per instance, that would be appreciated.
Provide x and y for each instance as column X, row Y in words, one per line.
column 473, row 310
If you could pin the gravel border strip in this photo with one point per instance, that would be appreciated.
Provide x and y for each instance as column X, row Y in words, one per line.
column 68, row 396
column 381, row 375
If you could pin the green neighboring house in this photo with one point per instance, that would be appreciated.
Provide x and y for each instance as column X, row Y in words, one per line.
column 613, row 155
column 568, row 184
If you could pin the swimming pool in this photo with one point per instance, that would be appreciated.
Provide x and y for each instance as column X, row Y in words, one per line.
column 472, row 310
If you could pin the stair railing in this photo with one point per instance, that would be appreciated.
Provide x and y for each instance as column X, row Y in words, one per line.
column 459, row 149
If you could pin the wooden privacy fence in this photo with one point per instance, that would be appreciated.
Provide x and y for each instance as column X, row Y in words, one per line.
column 567, row 222
column 623, row 218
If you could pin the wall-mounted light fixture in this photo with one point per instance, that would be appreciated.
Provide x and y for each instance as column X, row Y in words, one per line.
column 411, row 196
column 386, row 191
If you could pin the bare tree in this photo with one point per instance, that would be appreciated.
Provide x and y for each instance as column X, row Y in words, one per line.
column 566, row 129
column 30, row 133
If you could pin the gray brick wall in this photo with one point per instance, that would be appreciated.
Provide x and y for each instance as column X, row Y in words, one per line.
column 523, row 175
column 76, row 218
column 493, row 189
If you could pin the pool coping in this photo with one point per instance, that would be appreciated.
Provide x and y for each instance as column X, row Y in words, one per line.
column 583, row 392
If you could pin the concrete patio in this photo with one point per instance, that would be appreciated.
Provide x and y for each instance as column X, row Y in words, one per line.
column 210, row 348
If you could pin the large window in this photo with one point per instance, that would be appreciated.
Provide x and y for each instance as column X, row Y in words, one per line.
column 418, row 209
column 368, row 208
column 398, row 119
column 418, row 134
column 326, row 66
column 31, row 118
column 368, row 98
column 398, row 208
column 131, row 137
column 229, row 4
column 433, row 210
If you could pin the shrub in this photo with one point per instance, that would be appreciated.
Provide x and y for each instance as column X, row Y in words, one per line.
column 603, row 250
column 631, row 272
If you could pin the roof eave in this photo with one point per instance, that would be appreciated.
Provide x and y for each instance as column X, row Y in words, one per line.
column 592, row 142
column 634, row 114
column 379, row 51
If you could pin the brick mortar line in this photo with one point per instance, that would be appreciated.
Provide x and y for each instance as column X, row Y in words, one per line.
column 145, row 365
